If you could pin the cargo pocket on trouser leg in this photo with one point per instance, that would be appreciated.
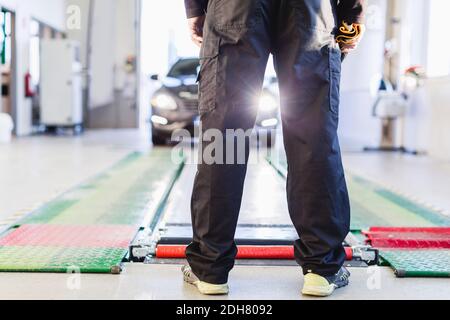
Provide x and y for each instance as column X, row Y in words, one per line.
column 335, row 58
column 207, row 79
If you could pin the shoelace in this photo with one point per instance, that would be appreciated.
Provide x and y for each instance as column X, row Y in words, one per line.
column 187, row 272
column 345, row 277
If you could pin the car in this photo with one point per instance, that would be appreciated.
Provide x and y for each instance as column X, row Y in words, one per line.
column 174, row 106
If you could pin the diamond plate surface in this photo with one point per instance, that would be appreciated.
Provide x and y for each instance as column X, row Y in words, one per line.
column 414, row 238
column 89, row 228
column 70, row 236
column 418, row 263
column 60, row 259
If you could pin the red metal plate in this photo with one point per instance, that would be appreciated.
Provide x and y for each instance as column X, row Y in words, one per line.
column 407, row 230
column 416, row 238
column 70, row 236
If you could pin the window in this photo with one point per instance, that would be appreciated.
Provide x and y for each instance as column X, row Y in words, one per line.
column 5, row 37
column 438, row 57
column 185, row 68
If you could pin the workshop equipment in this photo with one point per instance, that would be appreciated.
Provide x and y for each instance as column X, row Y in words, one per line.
column 361, row 253
column 413, row 238
column 413, row 252
column 390, row 106
column 375, row 205
column 411, row 226
column 61, row 85
column 89, row 228
column 391, row 102
column 418, row 263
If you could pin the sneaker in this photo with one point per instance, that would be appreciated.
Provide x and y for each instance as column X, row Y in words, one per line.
column 319, row 286
column 204, row 288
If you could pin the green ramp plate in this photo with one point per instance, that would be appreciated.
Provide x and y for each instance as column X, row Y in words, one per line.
column 61, row 260
column 418, row 263
column 89, row 228
column 373, row 205
column 123, row 195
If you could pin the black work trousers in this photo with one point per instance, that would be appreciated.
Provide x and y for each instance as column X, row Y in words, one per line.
column 239, row 36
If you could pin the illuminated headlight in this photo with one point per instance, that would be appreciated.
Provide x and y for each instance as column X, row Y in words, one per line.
column 164, row 101
column 267, row 103
column 269, row 123
column 160, row 120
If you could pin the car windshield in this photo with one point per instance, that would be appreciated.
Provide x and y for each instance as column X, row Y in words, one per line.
column 184, row 68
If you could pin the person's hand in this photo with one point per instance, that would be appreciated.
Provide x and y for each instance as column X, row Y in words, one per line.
column 349, row 39
column 347, row 48
column 196, row 29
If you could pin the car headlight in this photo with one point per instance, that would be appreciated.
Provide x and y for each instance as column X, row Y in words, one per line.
column 164, row 101
column 267, row 103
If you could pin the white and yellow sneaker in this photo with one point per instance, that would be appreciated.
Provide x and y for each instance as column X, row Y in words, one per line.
column 204, row 288
column 318, row 286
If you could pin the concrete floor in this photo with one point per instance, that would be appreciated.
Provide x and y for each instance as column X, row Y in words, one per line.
column 161, row 282
column 33, row 170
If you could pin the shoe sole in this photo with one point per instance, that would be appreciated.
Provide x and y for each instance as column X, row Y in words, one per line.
column 321, row 292
column 208, row 290
column 318, row 291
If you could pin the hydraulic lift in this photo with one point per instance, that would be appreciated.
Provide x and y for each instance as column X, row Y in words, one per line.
column 155, row 192
column 265, row 235
column 258, row 243
column 255, row 242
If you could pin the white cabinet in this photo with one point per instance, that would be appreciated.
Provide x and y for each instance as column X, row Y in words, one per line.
column 61, row 83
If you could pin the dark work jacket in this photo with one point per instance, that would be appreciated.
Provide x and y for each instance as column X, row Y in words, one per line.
column 350, row 11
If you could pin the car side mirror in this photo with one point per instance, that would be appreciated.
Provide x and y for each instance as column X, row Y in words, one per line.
column 154, row 77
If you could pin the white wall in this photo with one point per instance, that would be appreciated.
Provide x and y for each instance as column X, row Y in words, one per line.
column 164, row 36
column 113, row 40
column 51, row 12
column 80, row 34
column 438, row 95
column 361, row 71
column 438, row 58
column 426, row 125
column 125, row 41
column 103, row 53
column 427, row 122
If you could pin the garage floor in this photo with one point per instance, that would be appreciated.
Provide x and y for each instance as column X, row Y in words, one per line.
column 34, row 170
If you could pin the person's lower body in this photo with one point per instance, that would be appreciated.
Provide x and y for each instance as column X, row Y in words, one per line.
column 238, row 39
